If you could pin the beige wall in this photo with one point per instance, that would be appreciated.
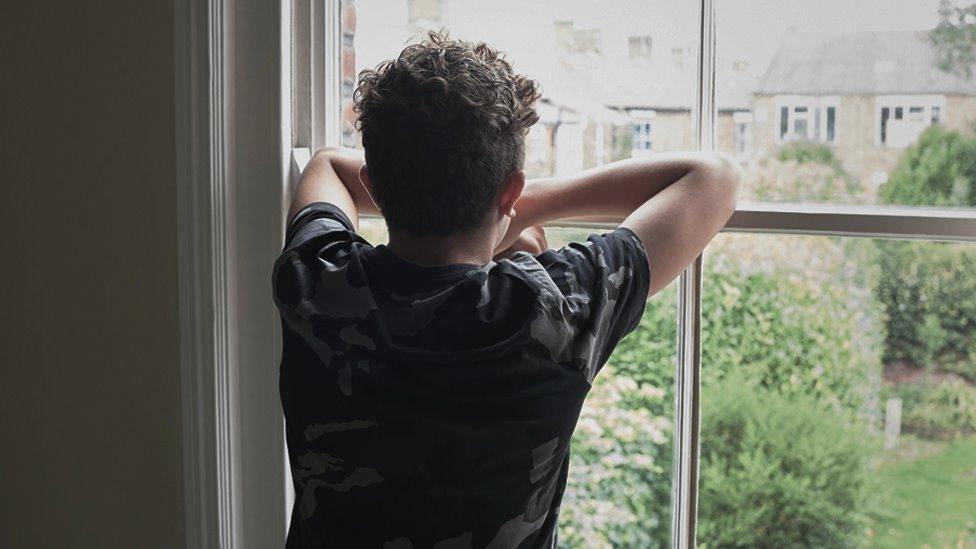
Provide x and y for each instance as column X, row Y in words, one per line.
column 672, row 131
column 89, row 386
column 856, row 147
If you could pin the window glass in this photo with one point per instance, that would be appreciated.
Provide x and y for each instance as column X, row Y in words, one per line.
column 850, row 101
column 838, row 393
column 616, row 84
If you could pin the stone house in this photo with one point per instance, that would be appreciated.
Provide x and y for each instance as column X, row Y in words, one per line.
column 866, row 95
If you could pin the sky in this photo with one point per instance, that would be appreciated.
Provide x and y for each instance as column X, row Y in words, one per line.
column 748, row 30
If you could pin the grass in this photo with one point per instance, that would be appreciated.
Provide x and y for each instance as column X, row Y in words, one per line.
column 930, row 501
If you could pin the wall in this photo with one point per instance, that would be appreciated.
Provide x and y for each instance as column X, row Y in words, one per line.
column 89, row 372
column 856, row 146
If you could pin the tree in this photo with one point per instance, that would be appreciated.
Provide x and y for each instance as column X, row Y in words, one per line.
column 928, row 289
column 955, row 38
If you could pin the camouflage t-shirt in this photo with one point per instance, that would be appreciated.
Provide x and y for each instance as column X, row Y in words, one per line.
column 433, row 406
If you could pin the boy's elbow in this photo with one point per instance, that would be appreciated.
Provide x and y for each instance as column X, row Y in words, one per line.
column 726, row 174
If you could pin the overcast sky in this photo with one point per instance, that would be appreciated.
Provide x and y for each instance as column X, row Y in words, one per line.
column 748, row 30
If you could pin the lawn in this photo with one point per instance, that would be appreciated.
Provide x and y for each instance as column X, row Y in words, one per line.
column 929, row 502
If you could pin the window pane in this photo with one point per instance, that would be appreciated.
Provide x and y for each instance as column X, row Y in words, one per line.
column 831, row 121
column 862, row 69
column 838, row 393
column 599, row 73
column 616, row 83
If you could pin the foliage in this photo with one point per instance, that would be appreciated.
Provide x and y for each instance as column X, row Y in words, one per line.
column 955, row 38
column 798, row 315
column 779, row 471
column 938, row 170
column 928, row 290
column 807, row 152
column 619, row 482
column 937, row 410
column 802, row 173
column 794, row 314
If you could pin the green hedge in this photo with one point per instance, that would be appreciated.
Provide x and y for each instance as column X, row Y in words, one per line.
column 779, row 471
column 929, row 290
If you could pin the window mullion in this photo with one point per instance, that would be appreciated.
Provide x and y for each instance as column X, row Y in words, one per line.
column 684, row 499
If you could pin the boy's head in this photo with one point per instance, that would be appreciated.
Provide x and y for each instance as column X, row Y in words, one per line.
column 443, row 128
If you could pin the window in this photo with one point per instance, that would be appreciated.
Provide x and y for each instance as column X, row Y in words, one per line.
column 643, row 132
column 742, row 136
column 639, row 47
column 902, row 118
column 808, row 118
column 780, row 112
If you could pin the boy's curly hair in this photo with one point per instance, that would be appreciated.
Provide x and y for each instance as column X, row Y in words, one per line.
column 443, row 125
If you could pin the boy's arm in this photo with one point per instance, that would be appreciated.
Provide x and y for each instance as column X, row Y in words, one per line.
column 332, row 175
column 674, row 202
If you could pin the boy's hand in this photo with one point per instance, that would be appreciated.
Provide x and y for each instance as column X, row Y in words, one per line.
column 531, row 240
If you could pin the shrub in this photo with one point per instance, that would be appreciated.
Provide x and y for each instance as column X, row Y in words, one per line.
column 778, row 471
column 809, row 152
column 938, row 170
column 937, row 410
column 618, row 492
column 928, row 290
column 797, row 315
column 791, row 180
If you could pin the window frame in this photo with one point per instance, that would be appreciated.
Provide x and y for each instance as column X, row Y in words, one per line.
column 906, row 103
column 316, row 76
column 816, row 109
column 642, row 130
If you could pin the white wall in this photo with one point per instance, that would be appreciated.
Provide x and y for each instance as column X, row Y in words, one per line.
column 89, row 375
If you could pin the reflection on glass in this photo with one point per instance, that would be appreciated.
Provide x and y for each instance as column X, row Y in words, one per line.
column 838, row 393
column 847, row 101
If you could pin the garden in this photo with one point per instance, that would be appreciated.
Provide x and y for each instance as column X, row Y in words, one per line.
column 806, row 339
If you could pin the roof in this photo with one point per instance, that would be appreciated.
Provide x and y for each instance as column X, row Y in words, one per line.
column 641, row 84
column 870, row 63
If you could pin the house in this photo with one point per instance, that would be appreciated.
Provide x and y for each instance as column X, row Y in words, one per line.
column 867, row 95
column 607, row 93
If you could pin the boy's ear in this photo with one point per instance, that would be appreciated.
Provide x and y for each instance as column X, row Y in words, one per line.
column 510, row 192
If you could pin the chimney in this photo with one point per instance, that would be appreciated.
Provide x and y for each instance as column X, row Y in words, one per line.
column 564, row 35
column 427, row 11
column 572, row 40
column 678, row 56
column 639, row 47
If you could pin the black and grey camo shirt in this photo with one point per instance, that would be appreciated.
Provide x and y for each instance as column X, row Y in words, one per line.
column 433, row 406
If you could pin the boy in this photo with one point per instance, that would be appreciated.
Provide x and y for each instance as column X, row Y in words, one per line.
column 431, row 386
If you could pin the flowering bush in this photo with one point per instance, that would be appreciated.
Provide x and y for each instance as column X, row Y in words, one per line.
column 618, row 492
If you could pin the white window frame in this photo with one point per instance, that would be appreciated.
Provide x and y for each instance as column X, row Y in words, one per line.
column 812, row 105
column 906, row 102
column 235, row 157
column 642, row 118
column 742, row 140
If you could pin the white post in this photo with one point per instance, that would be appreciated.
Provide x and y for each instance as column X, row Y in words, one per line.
column 892, row 423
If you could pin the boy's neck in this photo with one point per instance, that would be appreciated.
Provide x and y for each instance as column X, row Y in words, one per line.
column 474, row 247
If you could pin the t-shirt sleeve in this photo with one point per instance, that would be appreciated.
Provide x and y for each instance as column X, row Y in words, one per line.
column 607, row 279
column 320, row 233
column 317, row 220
